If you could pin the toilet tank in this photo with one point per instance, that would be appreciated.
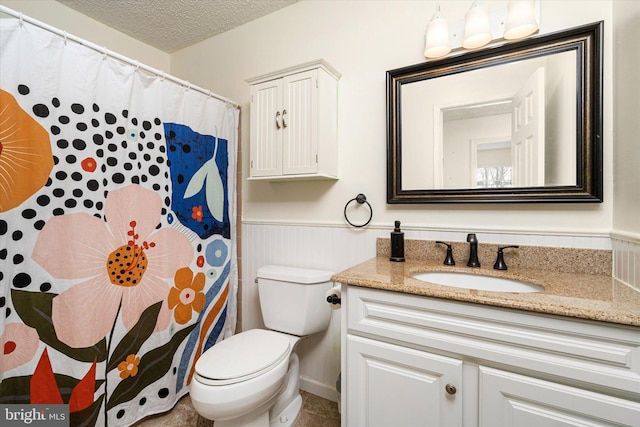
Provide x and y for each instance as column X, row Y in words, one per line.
column 293, row 299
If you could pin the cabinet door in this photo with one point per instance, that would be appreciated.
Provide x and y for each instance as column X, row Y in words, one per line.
column 299, row 116
column 508, row 399
column 266, row 129
column 388, row 385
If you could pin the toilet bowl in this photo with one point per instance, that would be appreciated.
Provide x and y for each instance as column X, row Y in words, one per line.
column 252, row 378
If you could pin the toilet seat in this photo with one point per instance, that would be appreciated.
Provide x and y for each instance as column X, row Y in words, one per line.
column 242, row 356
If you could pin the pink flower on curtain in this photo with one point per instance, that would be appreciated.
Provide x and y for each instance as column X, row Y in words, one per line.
column 18, row 344
column 125, row 262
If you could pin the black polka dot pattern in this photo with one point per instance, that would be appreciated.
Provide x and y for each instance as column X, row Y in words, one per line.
column 95, row 151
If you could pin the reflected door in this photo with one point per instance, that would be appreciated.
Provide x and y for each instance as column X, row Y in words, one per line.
column 528, row 132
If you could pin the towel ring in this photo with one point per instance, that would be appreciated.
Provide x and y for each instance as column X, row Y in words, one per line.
column 360, row 199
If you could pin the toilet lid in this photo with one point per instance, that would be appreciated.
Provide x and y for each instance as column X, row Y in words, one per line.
column 243, row 355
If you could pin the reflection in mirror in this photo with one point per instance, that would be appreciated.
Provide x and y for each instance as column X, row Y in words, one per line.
column 529, row 105
column 516, row 122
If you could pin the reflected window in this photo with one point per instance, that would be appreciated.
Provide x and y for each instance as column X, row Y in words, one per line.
column 493, row 177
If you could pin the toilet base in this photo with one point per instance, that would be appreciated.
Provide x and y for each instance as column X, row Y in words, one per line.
column 249, row 420
column 280, row 411
column 288, row 415
column 286, row 418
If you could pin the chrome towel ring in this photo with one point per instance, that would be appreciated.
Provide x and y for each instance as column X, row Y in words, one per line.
column 360, row 199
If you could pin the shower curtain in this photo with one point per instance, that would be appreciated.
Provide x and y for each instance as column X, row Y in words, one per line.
column 117, row 229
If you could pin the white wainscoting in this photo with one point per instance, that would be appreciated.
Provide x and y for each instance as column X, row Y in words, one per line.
column 336, row 247
column 319, row 247
column 626, row 258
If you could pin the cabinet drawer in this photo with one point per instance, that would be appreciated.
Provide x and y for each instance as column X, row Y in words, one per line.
column 598, row 353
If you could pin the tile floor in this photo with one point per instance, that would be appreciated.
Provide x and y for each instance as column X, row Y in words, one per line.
column 316, row 412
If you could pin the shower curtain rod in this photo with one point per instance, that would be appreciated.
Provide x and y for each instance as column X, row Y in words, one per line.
column 105, row 51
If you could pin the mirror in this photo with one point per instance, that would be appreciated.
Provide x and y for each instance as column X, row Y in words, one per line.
column 518, row 122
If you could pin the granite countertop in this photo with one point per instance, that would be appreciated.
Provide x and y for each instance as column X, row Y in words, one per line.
column 586, row 296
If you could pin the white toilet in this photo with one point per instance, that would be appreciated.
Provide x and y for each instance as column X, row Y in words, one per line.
column 252, row 378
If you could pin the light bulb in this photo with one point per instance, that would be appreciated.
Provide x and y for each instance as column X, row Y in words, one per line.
column 437, row 37
column 477, row 31
column 521, row 20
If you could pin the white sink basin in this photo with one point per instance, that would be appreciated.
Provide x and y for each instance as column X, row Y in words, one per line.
column 476, row 281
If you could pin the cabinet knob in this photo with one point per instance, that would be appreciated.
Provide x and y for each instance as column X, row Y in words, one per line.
column 278, row 125
column 451, row 389
column 284, row 118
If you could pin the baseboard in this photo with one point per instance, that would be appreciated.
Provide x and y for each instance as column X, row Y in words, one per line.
column 323, row 390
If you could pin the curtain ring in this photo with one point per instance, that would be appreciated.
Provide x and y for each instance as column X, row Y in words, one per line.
column 360, row 199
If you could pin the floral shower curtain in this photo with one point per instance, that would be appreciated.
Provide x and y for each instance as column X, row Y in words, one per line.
column 117, row 208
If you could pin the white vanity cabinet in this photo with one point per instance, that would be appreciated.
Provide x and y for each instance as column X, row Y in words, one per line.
column 390, row 385
column 294, row 123
column 417, row 361
column 509, row 399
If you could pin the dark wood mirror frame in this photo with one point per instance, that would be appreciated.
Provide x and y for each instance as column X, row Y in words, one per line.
column 586, row 41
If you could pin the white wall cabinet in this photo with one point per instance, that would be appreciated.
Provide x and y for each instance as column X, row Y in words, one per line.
column 402, row 354
column 294, row 130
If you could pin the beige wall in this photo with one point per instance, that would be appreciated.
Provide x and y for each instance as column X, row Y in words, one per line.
column 64, row 18
column 364, row 39
column 626, row 162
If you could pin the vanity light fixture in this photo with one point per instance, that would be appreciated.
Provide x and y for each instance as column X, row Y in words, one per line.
column 518, row 20
column 477, row 30
column 521, row 19
column 437, row 38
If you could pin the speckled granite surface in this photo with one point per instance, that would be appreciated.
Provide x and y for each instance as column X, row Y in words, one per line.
column 587, row 291
column 567, row 260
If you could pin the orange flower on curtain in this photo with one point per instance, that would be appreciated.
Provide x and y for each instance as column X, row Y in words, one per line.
column 125, row 263
column 26, row 159
column 196, row 213
column 187, row 296
column 129, row 367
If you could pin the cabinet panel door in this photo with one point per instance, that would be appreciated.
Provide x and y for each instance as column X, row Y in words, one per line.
column 300, row 134
column 388, row 385
column 508, row 399
column 266, row 128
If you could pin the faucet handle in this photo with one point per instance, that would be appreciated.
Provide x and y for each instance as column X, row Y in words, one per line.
column 500, row 264
column 449, row 259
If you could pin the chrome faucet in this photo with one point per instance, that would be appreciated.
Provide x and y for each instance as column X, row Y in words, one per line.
column 473, row 250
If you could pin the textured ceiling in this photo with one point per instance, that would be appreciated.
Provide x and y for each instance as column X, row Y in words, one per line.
column 170, row 25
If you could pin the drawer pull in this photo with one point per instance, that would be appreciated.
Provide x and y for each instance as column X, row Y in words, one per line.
column 451, row 389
